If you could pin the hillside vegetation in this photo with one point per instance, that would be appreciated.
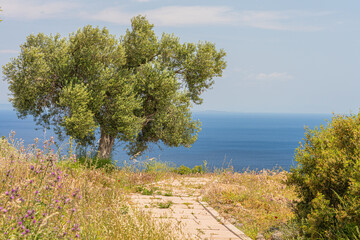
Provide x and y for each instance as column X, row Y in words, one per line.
column 43, row 196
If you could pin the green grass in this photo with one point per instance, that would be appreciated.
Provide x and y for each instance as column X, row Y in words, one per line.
column 166, row 204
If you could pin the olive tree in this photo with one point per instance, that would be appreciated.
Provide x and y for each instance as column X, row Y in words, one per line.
column 138, row 89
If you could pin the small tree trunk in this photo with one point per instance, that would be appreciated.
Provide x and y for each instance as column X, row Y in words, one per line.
column 105, row 146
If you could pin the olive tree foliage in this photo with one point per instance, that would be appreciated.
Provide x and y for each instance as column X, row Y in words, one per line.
column 138, row 89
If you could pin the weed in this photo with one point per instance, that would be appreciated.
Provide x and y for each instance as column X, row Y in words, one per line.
column 168, row 194
column 166, row 204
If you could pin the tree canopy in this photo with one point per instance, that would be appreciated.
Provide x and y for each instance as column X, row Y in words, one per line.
column 137, row 89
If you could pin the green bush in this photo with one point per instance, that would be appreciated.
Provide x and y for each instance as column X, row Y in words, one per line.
column 94, row 162
column 182, row 170
column 327, row 180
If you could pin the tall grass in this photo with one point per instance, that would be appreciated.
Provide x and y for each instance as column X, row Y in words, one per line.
column 255, row 201
column 42, row 197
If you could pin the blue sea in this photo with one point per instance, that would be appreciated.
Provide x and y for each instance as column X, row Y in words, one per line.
column 241, row 140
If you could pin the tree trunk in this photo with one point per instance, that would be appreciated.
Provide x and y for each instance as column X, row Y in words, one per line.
column 105, row 146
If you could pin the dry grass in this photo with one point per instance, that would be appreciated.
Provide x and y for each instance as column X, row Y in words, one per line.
column 43, row 198
column 256, row 202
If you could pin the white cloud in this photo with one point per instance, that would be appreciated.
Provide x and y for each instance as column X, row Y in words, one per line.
column 169, row 16
column 112, row 15
column 278, row 20
column 7, row 51
column 218, row 15
column 166, row 16
column 35, row 9
column 192, row 15
column 274, row 76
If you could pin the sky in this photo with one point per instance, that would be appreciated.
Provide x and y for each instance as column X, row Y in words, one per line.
column 283, row 56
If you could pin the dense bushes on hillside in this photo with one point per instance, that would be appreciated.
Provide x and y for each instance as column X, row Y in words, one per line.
column 327, row 180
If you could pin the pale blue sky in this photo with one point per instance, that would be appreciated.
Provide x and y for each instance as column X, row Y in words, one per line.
column 284, row 56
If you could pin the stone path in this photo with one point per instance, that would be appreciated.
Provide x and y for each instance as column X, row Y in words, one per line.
column 179, row 202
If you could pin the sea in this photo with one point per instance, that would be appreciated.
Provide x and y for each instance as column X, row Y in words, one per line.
column 242, row 141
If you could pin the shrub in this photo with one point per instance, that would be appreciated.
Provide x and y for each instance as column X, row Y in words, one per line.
column 183, row 170
column 327, row 179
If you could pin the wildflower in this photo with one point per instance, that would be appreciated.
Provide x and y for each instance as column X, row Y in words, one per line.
column 34, row 221
column 32, row 167
column 31, row 181
column 276, row 217
column 6, row 193
column 20, row 223
column 74, row 209
column 27, row 230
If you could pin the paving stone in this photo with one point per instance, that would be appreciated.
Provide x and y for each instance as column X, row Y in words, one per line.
column 197, row 220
